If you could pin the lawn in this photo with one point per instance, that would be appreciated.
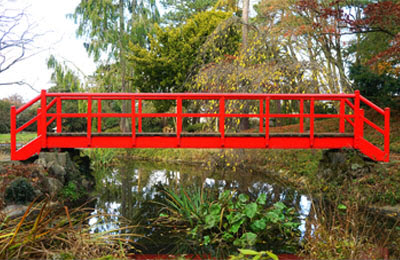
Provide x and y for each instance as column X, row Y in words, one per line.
column 22, row 137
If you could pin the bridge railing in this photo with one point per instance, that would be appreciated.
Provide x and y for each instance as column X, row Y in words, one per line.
column 348, row 102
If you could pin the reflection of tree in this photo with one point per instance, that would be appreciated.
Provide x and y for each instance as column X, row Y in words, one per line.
column 138, row 187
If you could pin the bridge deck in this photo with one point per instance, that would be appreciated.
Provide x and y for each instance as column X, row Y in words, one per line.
column 116, row 134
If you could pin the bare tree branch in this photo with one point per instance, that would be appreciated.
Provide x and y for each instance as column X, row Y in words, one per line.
column 20, row 83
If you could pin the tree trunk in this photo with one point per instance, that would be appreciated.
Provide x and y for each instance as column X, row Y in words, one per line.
column 245, row 26
column 125, row 105
column 244, row 122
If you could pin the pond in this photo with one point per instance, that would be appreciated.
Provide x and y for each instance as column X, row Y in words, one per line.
column 131, row 189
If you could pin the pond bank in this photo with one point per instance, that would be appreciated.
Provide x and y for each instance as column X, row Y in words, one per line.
column 60, row 176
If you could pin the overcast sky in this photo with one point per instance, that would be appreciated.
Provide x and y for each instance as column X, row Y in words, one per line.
column 59, row 39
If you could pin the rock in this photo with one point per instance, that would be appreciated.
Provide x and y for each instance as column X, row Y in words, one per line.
column 13, row 211
column 339, row 165
column 57, row 171
column 54, row 186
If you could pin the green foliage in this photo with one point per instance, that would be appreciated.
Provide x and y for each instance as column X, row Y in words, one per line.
column 172, row 57
column 254, row 255
column 184, row 9
column 99, row 21
column 382, row 89
column 71, row 192
column 5, row 106
column 19, row 191
column 221, row 225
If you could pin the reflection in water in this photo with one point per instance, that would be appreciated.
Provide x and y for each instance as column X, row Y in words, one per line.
column 132, row 189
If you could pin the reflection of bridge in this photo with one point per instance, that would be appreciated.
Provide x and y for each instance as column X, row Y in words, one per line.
column 51, row 113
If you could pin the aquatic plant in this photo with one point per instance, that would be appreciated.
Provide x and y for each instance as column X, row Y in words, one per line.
column 219, row 225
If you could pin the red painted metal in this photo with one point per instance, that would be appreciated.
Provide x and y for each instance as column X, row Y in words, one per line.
column 222, row 139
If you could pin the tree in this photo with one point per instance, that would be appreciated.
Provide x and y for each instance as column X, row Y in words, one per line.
column 175, row 54
column 109, row 31
column 16, row 41
column 181, row 10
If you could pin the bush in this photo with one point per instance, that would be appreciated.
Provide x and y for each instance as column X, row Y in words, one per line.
column 381, row 89
column 20, row 191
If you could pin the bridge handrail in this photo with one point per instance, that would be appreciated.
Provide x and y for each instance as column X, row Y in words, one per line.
column 264, row 112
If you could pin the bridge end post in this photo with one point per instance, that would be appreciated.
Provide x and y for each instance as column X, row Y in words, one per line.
column 43, row 125
column 387, row 135
column 13, row 134
column 357, row 118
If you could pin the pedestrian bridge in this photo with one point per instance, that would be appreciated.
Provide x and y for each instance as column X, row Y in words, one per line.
column 349, row 112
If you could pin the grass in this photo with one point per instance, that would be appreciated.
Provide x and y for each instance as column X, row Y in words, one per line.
column 23, row 137
column 45, row 232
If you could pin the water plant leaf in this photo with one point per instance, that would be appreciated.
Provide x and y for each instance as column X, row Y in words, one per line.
column 279, row 205
column 258, row 225
column 250, row 210
column 248, row 252
column 235, row 227
column 262, row 198
column 243, row 198
column 249, row 238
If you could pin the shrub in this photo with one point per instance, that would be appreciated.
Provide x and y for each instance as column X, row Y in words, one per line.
column 19, row 191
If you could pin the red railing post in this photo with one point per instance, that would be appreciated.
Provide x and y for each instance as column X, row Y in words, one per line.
column 89, row 121
column 99, row 115
column 267, row 121
column 13, row 132
column 222, row 120
column 342, row 114
column 357, row 118
column 179, row 119
column 261, row 115
column 140, row 116
column 301, row 115
column 362, row 115
column 133, row 120
column 387, row 135
column 312, row 122
column 38, row 125
column 59, row 111
column 43, row 118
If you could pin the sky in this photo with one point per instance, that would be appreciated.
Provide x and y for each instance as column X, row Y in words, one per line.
column 58, row 39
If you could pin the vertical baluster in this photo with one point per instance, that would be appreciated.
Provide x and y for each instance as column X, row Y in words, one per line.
column 13, row 130
column 357, row 119
column 312, row 122
column 222, row 120
column 387, row 134
column 140, row 116
column 342, row 114
column 99, row 118
column 59, row 112
column 179, row 119
column 133, row 120
column 43, row 118
column 267, row 121
column 301, row 115
column 261, row 115
column 89, row 121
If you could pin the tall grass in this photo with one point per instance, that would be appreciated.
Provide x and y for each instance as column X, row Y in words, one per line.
column 45, row 232
column 349, row 231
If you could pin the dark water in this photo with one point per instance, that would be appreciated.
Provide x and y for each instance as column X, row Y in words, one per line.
column 129, row 190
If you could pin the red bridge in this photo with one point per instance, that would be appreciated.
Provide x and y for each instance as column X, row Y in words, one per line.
column 350, row 116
